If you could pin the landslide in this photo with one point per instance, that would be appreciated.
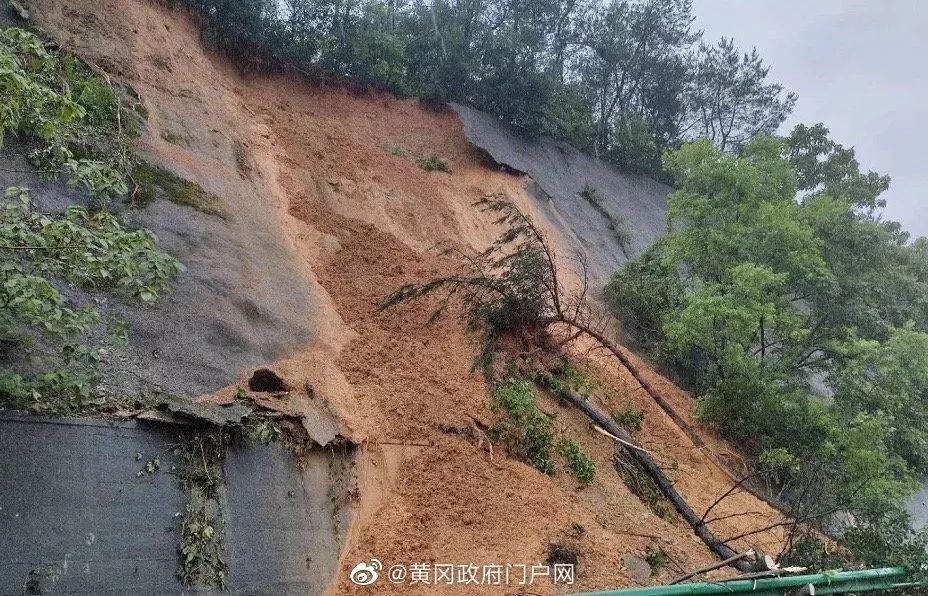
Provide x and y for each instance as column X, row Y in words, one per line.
column 326, row 186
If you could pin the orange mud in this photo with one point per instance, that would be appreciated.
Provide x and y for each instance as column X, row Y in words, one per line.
column 361, row 221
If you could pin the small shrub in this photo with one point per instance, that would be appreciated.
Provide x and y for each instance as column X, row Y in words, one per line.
column 579, row 464
column 394, row 150
column 525, row 429
column 572, row 377
column 631, row 419
column 656, row 558
column 433, row 163
column 58, row 392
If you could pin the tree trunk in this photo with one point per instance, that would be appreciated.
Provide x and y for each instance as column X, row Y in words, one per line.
column 636, row 373
column 666, row 487
column 685, row 426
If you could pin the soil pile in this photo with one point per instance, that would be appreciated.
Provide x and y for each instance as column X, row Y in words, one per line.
column 328, row 209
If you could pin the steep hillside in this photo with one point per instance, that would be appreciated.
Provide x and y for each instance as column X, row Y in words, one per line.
column 609, row 215
column 325, row 210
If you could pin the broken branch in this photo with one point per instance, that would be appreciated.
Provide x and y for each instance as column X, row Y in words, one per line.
column 713, row 567
column 618, row 440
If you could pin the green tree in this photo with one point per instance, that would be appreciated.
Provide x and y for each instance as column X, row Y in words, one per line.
column 731, row 101
column 626, row 48
column 369, row 51
column 878, row 280
column 889, row 380
column 825, row 167
column 634, row 147
column 796, row 315
column 615, row 78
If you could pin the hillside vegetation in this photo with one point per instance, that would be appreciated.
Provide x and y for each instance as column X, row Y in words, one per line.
column 799, row 318
column 796, row 315
column 72, row 123
column 622, row 79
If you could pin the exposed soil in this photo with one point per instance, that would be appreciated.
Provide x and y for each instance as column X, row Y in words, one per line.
column 360, row 221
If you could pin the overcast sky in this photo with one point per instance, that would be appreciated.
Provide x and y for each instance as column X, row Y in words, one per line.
column 859, row 66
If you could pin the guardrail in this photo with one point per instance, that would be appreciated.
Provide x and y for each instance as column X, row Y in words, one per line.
column 841, row 582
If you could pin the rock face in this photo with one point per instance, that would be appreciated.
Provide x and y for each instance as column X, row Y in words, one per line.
column 637, row 568
column 561, row 173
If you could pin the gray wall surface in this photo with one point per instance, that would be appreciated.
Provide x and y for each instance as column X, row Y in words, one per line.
column 77, row 518
column 560, row 174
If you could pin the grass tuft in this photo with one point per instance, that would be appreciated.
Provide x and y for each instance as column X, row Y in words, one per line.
column 433, row 163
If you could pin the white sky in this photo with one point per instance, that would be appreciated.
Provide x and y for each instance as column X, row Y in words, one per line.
column 859, row 66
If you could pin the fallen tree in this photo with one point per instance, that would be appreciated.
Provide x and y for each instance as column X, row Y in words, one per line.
column 513, row 288
column 647, row 463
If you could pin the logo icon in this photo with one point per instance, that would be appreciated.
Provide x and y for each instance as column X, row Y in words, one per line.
column 364, row 574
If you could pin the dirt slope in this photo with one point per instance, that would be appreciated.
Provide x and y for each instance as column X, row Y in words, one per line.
column 312, row 171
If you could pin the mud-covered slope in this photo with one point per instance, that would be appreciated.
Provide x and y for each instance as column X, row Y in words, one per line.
column 326, row 211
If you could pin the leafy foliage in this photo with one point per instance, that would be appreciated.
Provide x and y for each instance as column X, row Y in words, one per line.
column 579, row 464
column 644, row 292
column 634, row 147
column 642, row 485
column 631, row 419
column 525, row 429
column 889, row 381
column 569, row 376
column 529, row 433
column 794, row 311
column 72, row 121
column 823, row 166
column 71, row 114
column 89, row 251
column 201, row 534
column 201, row 561
column 657, row 559
column 262, row 431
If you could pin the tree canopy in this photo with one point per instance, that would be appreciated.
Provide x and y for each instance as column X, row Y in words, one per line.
column 798, row 316
column 624, row 79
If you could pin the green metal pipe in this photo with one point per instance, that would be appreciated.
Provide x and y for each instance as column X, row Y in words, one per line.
column 825, row 583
